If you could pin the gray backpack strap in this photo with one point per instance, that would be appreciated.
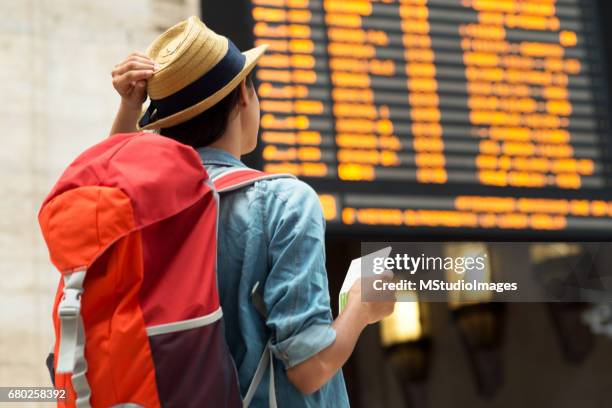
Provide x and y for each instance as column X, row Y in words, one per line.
column 71, row 353
column 266, row 362
column 231, row 180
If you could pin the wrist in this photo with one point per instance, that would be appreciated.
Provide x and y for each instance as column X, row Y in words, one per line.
column 130, row 107
column 357, row 315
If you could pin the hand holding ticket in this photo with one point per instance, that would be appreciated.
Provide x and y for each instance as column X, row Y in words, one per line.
column 354, row 273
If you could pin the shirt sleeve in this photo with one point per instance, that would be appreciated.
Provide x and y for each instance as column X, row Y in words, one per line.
column 296, row 292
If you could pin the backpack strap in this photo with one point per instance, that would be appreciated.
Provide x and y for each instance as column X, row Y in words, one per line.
column 232, row 180
column 71, row 358
column 266, row 359
column 265, row 362
column 237, row 178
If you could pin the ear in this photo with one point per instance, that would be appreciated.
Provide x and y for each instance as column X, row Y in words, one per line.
column 244, row 93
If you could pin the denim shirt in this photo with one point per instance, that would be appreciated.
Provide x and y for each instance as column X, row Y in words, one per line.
column 272, row 232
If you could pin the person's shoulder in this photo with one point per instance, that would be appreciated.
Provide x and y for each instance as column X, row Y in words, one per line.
column 287, row 188
column 290, row 201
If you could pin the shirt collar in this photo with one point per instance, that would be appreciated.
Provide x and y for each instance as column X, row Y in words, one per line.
column 211, row 155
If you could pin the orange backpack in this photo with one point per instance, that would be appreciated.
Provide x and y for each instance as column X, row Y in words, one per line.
column 131, row 226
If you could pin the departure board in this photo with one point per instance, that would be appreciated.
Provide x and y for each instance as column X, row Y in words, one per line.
column 484, row 115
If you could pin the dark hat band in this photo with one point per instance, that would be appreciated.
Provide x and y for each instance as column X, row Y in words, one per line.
column 209, row 83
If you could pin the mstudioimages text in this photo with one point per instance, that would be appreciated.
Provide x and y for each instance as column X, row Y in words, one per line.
column 438, row 285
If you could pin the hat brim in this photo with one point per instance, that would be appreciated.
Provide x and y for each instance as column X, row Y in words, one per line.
column 252, row 56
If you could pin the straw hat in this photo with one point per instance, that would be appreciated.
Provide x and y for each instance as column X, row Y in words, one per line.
column 198, row 68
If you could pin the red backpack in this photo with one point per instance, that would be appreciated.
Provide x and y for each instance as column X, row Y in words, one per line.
column 131, row 225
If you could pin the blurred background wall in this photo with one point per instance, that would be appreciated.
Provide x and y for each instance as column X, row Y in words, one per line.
column 57, row 99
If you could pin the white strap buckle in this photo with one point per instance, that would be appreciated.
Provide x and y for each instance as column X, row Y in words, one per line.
column 71, row 354
column 70, row 305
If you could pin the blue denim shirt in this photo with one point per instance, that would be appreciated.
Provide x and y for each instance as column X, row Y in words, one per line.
column 273, row 232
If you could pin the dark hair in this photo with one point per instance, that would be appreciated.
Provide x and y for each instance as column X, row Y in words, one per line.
column 208, row 126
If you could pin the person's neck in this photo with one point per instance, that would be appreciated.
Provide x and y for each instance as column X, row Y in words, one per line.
column 230, row 141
